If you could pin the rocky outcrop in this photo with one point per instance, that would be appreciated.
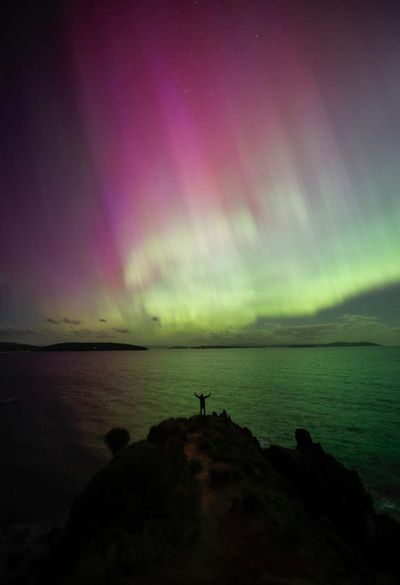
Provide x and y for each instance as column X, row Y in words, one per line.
column 329, row 491
column 335, row 498
column 199, row 501
column 25, row 547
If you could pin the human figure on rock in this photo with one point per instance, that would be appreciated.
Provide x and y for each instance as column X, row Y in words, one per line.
column 202, row 399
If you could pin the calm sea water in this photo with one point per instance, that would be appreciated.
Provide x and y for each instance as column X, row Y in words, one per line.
column 51, row 434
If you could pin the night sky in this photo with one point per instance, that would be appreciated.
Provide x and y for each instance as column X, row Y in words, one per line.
column 200, row 172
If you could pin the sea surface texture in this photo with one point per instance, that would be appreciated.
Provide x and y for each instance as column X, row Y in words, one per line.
column 55, row 409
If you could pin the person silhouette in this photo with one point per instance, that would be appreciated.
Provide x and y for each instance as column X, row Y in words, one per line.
column 202, row 399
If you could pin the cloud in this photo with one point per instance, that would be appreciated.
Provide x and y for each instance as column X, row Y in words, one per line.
column 102, row 320
column 122, row 330
column 66, row 320
column 82, row 332
column 345, row 327
column 307, row 331
column 349, row 321
column 7, row 331
column 71, row 321
column 262, row 322
column 93, row 334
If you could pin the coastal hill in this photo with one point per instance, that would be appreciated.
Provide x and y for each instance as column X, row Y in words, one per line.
column 72, row 346
column 333, row 344
column 108, row 346
column 93, row 346
column 200, row 501
column 11, row 346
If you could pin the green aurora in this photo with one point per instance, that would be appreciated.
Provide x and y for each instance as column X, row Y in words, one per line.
column 204, row 176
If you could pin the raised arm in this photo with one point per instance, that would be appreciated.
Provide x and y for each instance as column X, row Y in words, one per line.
column 197, row 396
column 208, row 395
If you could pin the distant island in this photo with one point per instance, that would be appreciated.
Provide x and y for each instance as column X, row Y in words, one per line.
column 72, row 346
column 333, row 344
column 107, row 346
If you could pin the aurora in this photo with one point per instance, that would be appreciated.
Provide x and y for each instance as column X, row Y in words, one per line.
column 206, row 170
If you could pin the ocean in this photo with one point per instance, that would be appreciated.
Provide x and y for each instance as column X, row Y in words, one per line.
column 55, row 409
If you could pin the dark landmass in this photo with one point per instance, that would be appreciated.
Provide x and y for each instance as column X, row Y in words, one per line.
column 333, row 344
column 106, row 346
column 339, row 344
column 10, row 346
column 200, row 501
column 84, row 346
column 93, row 346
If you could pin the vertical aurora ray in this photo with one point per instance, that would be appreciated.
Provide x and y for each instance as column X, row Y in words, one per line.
column 239, row 160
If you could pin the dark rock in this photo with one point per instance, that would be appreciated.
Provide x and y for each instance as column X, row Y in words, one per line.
column 305, row 444
column 225, row 415
column 116, row 440
column 135, row 506
column 387, row 544
column 303, row 440
column 24, row 548
column 327, row 489
column 201, row 502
